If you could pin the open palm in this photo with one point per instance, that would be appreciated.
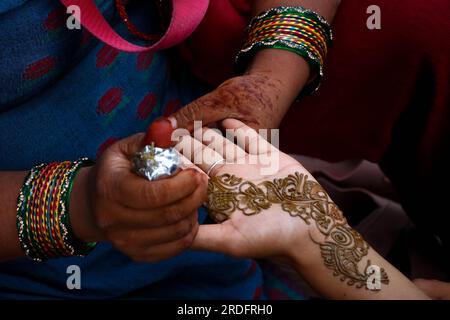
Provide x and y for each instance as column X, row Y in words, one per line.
column 251, row 220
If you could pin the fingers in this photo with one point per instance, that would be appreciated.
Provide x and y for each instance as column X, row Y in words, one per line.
column 166, row 250
column 176, row 212
column 212, row 151
column 198, row 153
column 130, row 145
column 207, row 109
column 159, row 217
column 143, row 238
column 159, row 133
column 248, row 138
column 227, row 149
column 187, row 164
column 138, row 193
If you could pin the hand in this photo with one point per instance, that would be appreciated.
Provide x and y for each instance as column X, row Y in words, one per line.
column 260, row 98
column 148, row 221
column 245, row 231
column 285, row 215
column 255, row 99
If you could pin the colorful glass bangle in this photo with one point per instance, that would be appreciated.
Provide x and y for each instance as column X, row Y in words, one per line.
column 295, row 11
column 295, row 29
column 314, row 61
column 43, row 220
column 304, row 21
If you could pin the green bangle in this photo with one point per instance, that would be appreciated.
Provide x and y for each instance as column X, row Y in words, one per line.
column 81, row 248
column 294, row 29
column 313, row 61
column 43, row 220
column 323, row 23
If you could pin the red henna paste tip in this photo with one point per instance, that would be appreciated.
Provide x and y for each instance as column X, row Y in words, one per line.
column 160, row 133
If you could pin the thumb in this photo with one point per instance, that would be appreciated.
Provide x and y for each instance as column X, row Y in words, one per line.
column 208, row 109
column 215, row 238
column 130, row 145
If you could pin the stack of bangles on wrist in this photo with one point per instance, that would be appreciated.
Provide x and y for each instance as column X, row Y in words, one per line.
column 295, row 29
column 43, row 220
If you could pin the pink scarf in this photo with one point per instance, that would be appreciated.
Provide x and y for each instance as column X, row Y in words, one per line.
column 215, row 30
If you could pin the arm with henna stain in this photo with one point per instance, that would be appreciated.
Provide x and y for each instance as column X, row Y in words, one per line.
column 286, row 216
column 262, row 96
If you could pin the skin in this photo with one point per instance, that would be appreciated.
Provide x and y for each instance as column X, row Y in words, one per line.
column 435, row 289
column 263, row 95
column 275, row 234
column 147, row 221
column 228, row 99
column 103, row 200
column 109, row 202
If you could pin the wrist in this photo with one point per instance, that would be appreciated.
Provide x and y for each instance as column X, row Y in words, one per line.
column 287, row 68
column 299, row 256
column 81, row 213
column 291, row 42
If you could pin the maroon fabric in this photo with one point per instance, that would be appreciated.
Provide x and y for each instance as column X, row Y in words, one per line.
column 186, row 16
column 386, row 98
column 373, row 76
column 211, row 50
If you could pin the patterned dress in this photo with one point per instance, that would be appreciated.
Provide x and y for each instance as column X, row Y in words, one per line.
column 65, row 95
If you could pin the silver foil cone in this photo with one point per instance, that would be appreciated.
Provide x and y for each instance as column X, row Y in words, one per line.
column 154, row 163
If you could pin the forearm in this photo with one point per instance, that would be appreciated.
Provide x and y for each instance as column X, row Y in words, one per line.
column 341, row 269
column 333, row 257
column 10, row 184
column 313, row 235
column 291, row 70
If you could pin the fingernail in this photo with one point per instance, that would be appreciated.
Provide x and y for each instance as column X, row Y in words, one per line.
column 163, row 120
column 173, row 122
column 160, row 132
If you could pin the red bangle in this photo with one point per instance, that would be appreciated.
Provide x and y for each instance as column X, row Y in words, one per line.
column 131, row 27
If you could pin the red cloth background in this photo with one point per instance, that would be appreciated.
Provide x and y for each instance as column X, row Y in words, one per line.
column 211, row 50
column 385, row 96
